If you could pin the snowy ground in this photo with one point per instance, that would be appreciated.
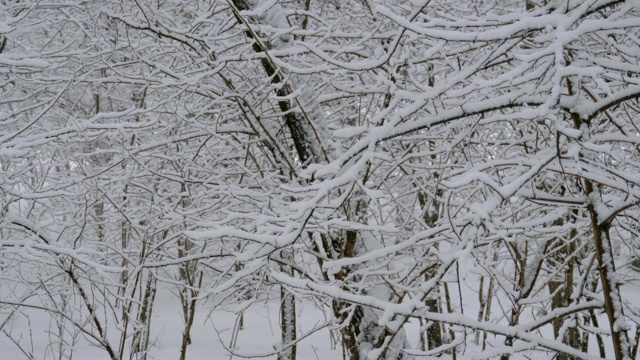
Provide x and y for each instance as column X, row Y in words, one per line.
column 213, row 333
column 259, row 336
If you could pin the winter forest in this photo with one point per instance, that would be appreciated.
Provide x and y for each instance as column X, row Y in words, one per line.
column 319, row 179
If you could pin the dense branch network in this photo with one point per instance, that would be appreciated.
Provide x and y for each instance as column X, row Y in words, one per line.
column 467, row 169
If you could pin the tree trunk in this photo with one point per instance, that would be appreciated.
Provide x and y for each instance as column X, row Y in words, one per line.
column 287, row 315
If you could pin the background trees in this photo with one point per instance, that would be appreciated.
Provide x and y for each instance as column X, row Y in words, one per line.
column 468, row 169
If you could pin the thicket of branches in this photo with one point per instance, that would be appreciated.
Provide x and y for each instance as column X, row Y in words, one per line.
column 381, row 159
